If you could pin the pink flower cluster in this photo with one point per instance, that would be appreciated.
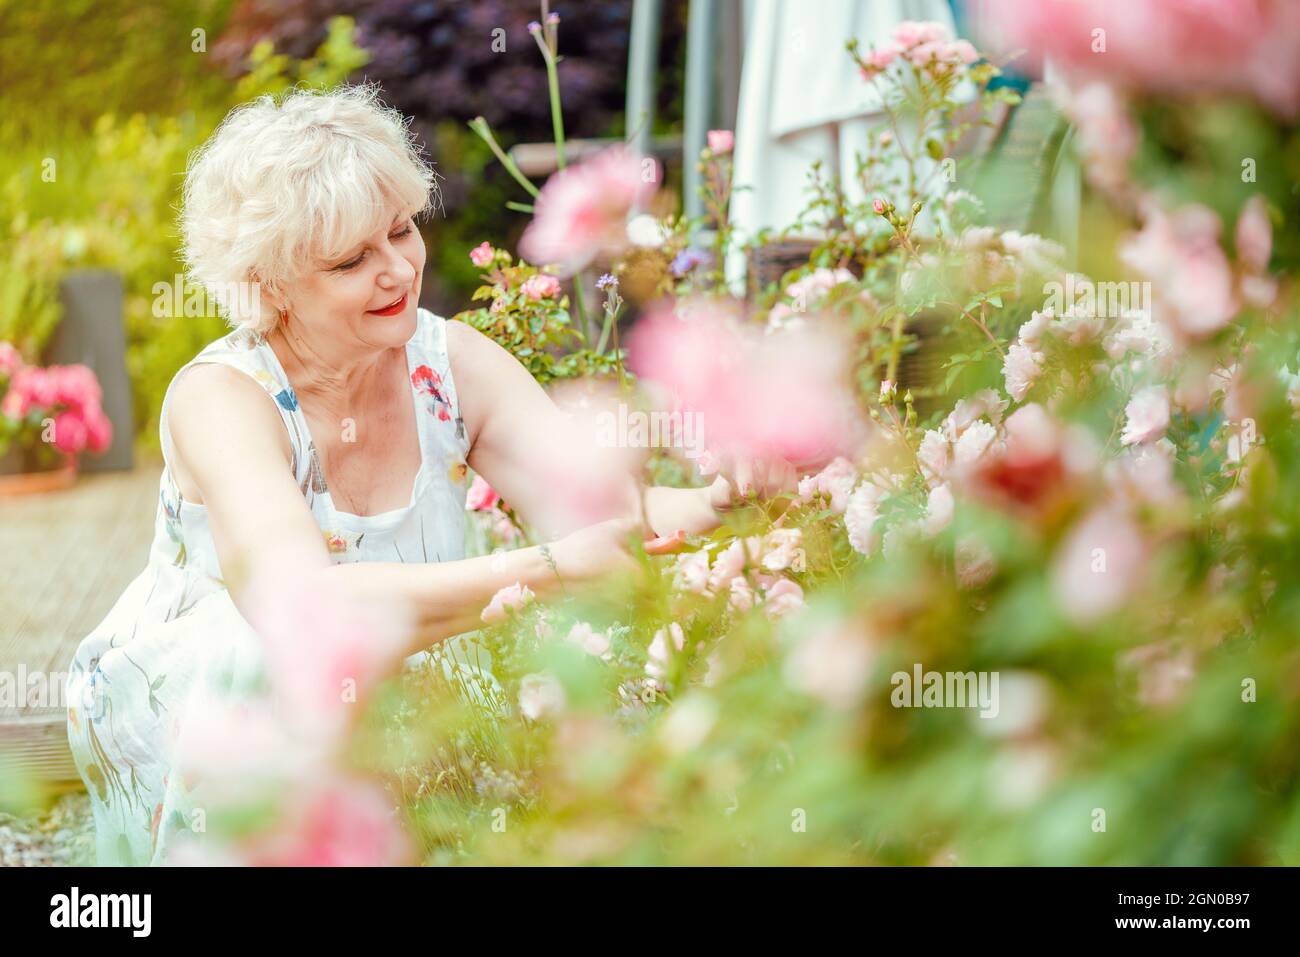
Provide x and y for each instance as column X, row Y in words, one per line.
column 69, row 395
column 926, row 46
column 746, row 571
column 541, row 286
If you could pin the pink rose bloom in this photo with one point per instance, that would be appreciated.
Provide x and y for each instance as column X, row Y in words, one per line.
column 70, row 434
column 885, row 54
column 1108, row 135
column 1189, row 272
column 939, row 509
column 729, row 564
column 1099, row 565
column 934, row 455
column 832, row 664
column 482, row 254
column 512, row 598
column 324, row 649
column 961, row 51
column 582, row 210
column 1148, row 415
column 783, row 598
column 11, row 360
column 339, row 823
column 540, row 696
column 659, row 654
column 721, row 141
column 692, row 573
column 860, row 517
column 740, row 594
column 481, row 496
column 879, row 206
column 588, row 639
column 1164, row 46
column 1021, row 368
column 541, row 286
column 784, row 550
column 783, row 395
column 911, row 32
column 1254, row 239
column 833, row 483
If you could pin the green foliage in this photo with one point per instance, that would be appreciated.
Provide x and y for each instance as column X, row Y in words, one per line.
column 109, row 197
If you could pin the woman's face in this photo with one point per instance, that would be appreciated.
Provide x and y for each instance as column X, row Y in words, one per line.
column 368, row 297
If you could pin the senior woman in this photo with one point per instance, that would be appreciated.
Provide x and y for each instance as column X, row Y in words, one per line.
column 336, row 421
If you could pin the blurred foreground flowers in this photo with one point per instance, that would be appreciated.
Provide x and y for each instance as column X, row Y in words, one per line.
column 1090, row 519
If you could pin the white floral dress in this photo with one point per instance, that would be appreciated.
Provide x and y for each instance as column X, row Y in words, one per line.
column 175, row 628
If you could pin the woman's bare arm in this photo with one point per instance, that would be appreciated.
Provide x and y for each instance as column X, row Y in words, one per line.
column 514, row 425
column 229, row 437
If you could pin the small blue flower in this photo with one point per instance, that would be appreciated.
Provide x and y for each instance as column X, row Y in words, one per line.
column 688, row 259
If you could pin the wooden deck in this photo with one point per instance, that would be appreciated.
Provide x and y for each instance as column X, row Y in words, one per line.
column 65, row 557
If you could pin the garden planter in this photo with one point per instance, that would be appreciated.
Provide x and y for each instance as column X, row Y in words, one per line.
column 24, row 472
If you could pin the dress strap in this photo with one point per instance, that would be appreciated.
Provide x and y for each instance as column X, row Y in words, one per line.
column 252, row 356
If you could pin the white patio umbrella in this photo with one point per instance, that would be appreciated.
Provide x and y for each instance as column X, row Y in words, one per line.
column 802, row 99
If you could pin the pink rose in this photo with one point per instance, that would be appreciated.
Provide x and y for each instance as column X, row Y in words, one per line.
column 540, row 287
column 11, row 359
column 583, row 209
column 721, row 141
column 512, row 598
column 481, row 497
column 482, row 254
column 782, row 598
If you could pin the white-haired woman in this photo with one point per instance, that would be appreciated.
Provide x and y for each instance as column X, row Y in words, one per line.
column 337, row 421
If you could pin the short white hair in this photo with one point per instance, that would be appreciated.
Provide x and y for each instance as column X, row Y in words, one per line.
column 284, row 185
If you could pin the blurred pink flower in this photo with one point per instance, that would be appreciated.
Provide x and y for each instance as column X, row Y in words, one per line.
column 1254, row 238
column 692, row 572
column 1099, row 565
column 11, row 360
column 909, row 33
column 973, row 562
column 540, row 696
column 588, row 639
column 1148, row 415
column 481, row 496
column 783, row 548
column 783, row 598
column 721, row 141
column 324, row 649
column 1107, row 134
column 540, row 287
column 482, row 254
column 1190, row 275
column 832, row 663
column 1021, row 368
column 583, row 209
column 834, row 484
column 509, row 599
column 768, row 397
column 659, row 655
column 1164, row 46
column 339, row 822
column 860, row 517
column 741, row 594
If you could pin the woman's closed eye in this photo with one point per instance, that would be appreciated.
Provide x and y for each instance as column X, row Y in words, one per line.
column 354, row 263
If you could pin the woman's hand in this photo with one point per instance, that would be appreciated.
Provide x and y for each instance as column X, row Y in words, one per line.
column 745, row 480
column 597, row 550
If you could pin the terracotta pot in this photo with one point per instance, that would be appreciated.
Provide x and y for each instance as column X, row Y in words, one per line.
column 23, row 473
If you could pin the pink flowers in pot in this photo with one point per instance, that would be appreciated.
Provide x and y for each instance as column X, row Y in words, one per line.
column 582, row 210
column 68, row 396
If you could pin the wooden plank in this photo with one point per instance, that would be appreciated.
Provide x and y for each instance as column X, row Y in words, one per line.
column 65, row 558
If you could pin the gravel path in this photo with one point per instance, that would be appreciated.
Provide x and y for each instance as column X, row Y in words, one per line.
column 63, row 834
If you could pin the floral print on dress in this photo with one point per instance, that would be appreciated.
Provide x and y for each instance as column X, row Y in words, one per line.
column 428, row 382
column 176, row 630
column 340, row 542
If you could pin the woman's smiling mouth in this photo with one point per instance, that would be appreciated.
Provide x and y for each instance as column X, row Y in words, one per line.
column 391, row 309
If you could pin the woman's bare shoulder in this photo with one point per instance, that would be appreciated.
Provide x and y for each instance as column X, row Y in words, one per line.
column 219, row 415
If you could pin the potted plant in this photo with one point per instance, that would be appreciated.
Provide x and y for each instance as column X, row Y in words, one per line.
column 48, row 416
